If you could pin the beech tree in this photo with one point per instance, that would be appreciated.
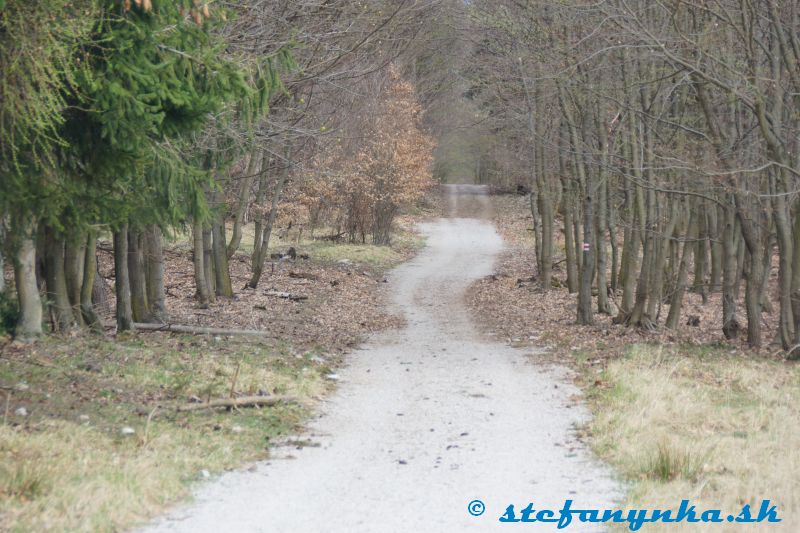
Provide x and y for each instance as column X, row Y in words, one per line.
column 665, row 138
column 359, row 186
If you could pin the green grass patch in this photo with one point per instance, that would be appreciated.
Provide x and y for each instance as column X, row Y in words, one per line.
column 379, row 258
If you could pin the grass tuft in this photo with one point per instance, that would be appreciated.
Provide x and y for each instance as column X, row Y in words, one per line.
column 701, row 424
column 669, row 463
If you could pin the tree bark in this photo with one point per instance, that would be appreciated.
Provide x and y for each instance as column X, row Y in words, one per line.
column 715, row 242
column 569, row 244
column 199, row 265
column 261, row 196
column 752, row 299
column 662, row 249
column 57, row 297
column 630, row 255
column 29, row 324
column 785, row 253
column 676, row 301
column 87, row 286
column 794, row 352
column 222, row 274
column 154, row 270
column 585, row 315
column 208, row 263
column 700, row 256
column 3, row 249
column 537, row 229
column 73, row 272
column 258, row 264
column 600, row 247
column 137, row 278
column 611, row 228
column 122, row 286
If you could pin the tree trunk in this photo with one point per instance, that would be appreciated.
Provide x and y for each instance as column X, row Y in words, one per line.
column 208, row 263
column 136, row 275
column 258, row 264
column 662, row 249
column 638, row 315
column 3, row 249
column 87, row 283
column 547, row 194
column 222, row 274
column 154, row 270
column 587, row 270
column 630, row 255
column 700, row 255
column 714, row 232
column 611, row 228
column 199, row 265
column 261, row 196
column 546, row 213
column 676, row 301
column 57, row 297
column 29, row 324
column 585, row 315
column 537, row 229
column 73, row 272
column 754, row 242
column 122, row 285
column 794, row 353
column 600, row 247
column 752, row 298
column 785, row 252
column 569, row 244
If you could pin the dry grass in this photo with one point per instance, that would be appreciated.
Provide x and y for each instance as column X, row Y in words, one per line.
column 679, row 414
column 67, row 466
column 700, row 424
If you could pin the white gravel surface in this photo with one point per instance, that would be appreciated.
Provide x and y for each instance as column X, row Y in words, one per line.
column 425, row 420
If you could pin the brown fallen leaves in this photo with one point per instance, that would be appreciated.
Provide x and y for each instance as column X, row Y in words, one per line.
column 514, row 309
column 328, row 305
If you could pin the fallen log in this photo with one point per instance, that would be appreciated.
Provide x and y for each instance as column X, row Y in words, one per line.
column 244, row 401
column 197, row 330
column 286, row 295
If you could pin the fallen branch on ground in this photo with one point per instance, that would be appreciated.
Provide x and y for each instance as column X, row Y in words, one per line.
column 197, row 330
column 244, row 401
column 286, row 295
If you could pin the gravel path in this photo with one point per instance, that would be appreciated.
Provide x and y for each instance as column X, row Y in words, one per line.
column 426, row 420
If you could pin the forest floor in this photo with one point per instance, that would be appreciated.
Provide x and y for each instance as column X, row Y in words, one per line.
column 90, row 439
column 679, row 414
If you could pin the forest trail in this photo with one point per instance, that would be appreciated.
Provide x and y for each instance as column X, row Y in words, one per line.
column 426, row 419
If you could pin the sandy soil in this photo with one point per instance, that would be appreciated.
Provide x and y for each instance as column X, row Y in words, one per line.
column 426, row 419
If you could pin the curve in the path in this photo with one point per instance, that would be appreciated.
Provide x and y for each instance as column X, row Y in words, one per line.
column 426, row 420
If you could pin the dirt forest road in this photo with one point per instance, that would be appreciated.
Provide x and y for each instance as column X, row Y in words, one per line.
column 426, row 420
